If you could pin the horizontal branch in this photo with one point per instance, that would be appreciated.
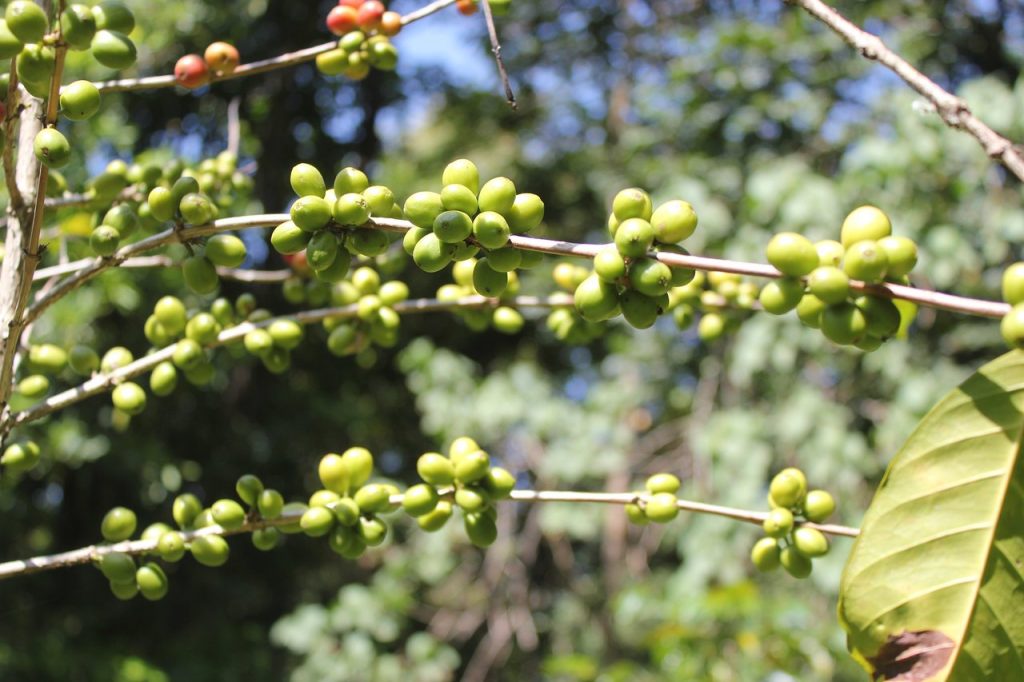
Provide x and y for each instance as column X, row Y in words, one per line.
column 89, row 268
column 101, row 383
column 237, row 274
column 86, row 555
column 953, row 111
column 253, row 68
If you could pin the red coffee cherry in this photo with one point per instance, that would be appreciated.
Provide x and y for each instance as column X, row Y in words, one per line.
column 192, row 72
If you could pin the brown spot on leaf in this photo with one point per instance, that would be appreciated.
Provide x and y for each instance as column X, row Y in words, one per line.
column 912, row 656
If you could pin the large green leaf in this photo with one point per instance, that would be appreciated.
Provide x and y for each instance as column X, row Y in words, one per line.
column 934, row 586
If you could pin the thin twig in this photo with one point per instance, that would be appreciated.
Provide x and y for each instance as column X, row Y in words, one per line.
column 953, row 111
column 101, row 383
column 492, row 33
column 86, row 555
column 257, row 67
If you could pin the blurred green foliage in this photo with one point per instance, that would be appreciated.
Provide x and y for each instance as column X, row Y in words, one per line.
column 751, row 111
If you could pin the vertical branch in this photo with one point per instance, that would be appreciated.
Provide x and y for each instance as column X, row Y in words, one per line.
column 492, row 33
column 24, row 223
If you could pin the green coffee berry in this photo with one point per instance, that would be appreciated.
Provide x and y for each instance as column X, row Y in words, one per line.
column 661, row 507
column 422, row 208
column 663, row 483
column 210, row 550
column 350, row 180
column 809, row 310
column 843, row 323
column 866, row 261
column 129, row 398
column 780, row 296
column 462, row 172
column 435, row 469
column 197, row 209
column 171, row 546
column 765, row 554
column 372, row 498
column 507, row 320
column 650, row 277
column 792, row 254
column 864, row 222
column 266, row 539
column 435, row 520
column 380, row 199
column 460, row 198
column 639, row 310
column 632, row 203
column 372, row 531
column 491, row 229
column 453, row 226
column 79, row 100
column 901, row 254
column 419, row 500
column 306, row 180
column 829, row 284
column 317, row 521
column 788, row 488
column 1013, row 284
column 270, row 504
column 26, row 20
column 881, row 314
column 203, row 328
column 487, row 281
column 200, row 275
column 609, row 264
column 288, row 238
column 810, row 542
column 118, row 524
column 673, row 222
column 779, row 523
column 634, row 237
column 498, row 483
column 472, row 467
column 526, row 213
column 34, row 386
column 431, row 254
column 225, row 250
column 596, row 299
column 334, row 473
column 228, row 514
column 311, row 213
column 636, row 515
column 830, row 252
column 1012, row 326
column 185, row 509
column 818, row 506
column 480, row 528
column 497, row 195
column 117, row 566
column 795, row 563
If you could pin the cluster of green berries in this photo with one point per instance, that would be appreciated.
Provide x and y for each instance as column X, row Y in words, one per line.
column 469, row 220
column 20, row 456
column 127, row 578
column 346, row 510
column 1012, row 325
column 657, row 502
column 364, row 28
column 626, row 279
column 816, row 279
column 376, row 321
column 723, row 299
column 328, row 224
column 502, row 318
column 26, row 34
column 464, row 479
column 789, row 543
column 172, row 193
